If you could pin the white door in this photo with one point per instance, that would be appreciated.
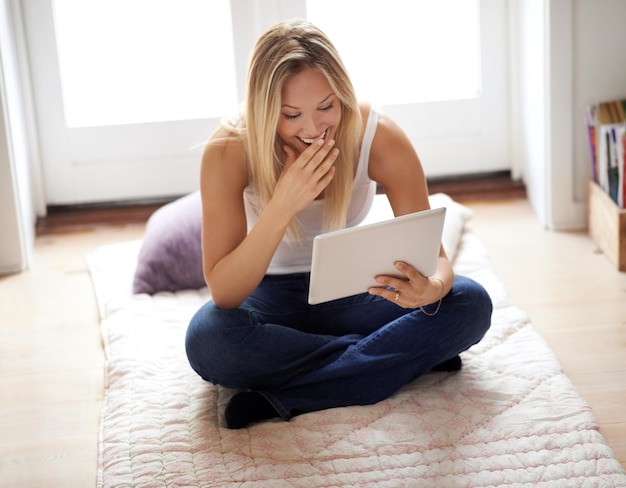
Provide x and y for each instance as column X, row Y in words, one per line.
column 123, row 93
column 438, row 67
column 126, row 92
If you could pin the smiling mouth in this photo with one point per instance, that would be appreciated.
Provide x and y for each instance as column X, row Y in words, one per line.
column 308, row 142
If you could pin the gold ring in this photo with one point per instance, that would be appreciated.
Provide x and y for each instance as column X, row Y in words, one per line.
column 395, row 298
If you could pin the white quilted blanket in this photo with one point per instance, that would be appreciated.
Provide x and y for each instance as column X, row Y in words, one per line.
column 510, row 417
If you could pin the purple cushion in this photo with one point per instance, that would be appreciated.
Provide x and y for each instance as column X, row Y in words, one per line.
column 170, row 258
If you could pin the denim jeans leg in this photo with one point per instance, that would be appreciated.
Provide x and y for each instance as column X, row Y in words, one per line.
column 375, row 367
column 358, row 350
column 265, row 343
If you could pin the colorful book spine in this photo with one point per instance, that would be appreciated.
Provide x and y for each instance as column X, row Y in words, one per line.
column 592, row 137
column 606, row 128
column 623, row 169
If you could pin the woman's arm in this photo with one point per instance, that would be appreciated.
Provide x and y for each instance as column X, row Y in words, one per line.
column 395, row 165
column 230, row 269
column 235, row 261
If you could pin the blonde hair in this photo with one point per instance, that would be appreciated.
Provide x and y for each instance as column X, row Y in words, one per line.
column 282, row 52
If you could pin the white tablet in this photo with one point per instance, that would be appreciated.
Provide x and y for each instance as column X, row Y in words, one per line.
column 346, row 262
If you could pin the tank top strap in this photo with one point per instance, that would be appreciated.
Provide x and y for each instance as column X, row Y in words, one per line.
column 366, row 145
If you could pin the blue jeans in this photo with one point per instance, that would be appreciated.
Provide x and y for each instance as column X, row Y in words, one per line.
column 353, row 351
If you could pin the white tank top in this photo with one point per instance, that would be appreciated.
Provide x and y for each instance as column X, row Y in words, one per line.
column 295, row 256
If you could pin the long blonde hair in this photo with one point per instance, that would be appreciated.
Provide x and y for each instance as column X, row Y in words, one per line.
column 283, row 51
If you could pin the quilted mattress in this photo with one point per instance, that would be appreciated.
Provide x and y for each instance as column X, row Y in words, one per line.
column 510, row 417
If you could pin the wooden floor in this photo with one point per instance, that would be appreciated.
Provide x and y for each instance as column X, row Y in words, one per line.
column 51, row 357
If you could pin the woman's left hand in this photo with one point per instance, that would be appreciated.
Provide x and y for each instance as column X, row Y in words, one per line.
column 413, row 291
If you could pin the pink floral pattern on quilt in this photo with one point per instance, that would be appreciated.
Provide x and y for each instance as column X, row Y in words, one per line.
column 510, row 417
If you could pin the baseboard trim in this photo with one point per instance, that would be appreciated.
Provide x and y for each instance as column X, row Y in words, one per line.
column 68, row 218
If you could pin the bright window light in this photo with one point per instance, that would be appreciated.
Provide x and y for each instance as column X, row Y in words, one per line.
column 139, row 61
column 400, row 51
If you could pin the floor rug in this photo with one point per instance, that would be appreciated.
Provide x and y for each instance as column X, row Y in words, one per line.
column 510, row 417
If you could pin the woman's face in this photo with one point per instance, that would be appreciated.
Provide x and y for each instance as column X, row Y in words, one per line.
column 309, row 110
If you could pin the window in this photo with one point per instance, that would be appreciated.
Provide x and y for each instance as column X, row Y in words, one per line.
column 126, row 91
column 405, row 52
column 439, row 68
column 138, row 61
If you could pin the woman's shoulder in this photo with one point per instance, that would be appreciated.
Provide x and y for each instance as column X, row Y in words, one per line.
column 224, row 154
column 225, row 142
column 388, row 132
column 385, row 125
column 390, row 145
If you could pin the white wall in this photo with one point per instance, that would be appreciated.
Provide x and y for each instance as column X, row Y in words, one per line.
column 566, row 54
column 599, row 70
column 542, row 73
column 12, row 245
column 19, row 194
column 563, row 209
column 528, row 93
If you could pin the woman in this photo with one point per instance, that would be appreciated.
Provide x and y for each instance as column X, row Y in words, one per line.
column 297, row 162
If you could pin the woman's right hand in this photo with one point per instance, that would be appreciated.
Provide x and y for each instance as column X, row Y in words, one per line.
column 304, row 177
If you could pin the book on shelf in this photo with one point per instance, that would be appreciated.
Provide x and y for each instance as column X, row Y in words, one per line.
column 622, row 174
column 606, row 130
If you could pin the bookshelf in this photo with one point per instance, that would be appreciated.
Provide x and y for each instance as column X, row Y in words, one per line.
column 606, row 127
